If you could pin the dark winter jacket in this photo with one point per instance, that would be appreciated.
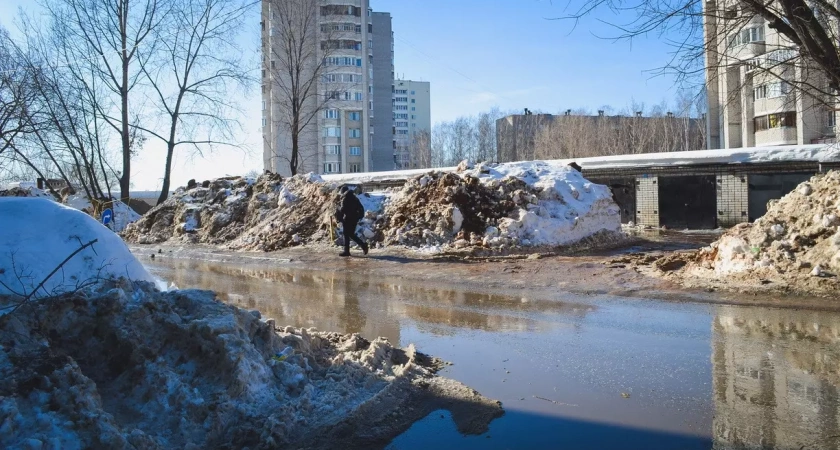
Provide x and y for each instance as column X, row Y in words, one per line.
column 351, row 208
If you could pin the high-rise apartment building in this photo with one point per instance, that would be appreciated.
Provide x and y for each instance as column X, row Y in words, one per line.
column 412, row 124
column 338, row 109
column 761, row 91
column 382, row 150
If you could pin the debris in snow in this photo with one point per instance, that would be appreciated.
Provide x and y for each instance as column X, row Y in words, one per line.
column 38, row 234
column 490, row 205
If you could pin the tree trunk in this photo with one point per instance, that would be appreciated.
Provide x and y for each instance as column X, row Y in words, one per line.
column 167, row 174
column 125, row 179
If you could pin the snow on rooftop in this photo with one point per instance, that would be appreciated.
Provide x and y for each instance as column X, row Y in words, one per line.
column 751, row 155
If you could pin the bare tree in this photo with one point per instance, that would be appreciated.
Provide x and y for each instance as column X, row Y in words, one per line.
column 295, row 67
column 101, row 41
column 16, row 93
column 420, row 150
column 193, row 70
column 809, row 29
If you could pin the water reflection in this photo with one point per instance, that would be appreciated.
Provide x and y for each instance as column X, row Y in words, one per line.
column 775, row 378
column 360, row 303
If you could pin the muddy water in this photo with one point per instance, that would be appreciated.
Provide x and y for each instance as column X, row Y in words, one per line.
column 576, row 372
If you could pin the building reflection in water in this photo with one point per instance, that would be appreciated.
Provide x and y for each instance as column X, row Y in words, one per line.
column 775, row 379
column 358, row 303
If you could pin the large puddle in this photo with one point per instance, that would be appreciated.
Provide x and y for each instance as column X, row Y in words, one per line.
column 576, row 372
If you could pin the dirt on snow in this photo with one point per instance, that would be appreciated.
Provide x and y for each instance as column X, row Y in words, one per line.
column 794, row 247
column 131, row 367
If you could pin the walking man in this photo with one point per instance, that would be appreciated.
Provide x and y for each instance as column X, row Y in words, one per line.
column 349, row 214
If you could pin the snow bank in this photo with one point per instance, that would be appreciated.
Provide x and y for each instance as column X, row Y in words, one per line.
column 123, row 214
column 37, row 234
column 564, row 207
column 126, row 367
column 493, row 206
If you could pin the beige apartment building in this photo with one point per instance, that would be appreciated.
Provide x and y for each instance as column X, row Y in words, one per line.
column 412, row 124
column 760, row 91
column 339, row 138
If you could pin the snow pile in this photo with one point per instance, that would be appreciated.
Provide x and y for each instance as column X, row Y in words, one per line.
column 796, row 242
column 559, row 207
column 24, row 190
column 214, row 212
column 130, row 367
column 304, row 215
column 123, row 214
column 38, row 234
column 494, row 206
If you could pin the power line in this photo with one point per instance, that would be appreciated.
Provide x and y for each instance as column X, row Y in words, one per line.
column 438, row 61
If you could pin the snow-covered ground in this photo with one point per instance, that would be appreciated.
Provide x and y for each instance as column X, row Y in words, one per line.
column 37, row 234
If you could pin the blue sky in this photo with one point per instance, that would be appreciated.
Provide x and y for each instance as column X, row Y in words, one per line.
column 482, row 53
column 477, row 54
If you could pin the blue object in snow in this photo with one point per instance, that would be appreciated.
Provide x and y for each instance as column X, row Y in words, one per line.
column 107, row 216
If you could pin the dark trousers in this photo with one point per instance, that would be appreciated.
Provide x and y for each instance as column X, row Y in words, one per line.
column 349, row 226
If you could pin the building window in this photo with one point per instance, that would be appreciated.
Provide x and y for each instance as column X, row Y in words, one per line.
column 780, row 120
column 343, row 61
column 413, row 117
column 413, row 108
column 760, row 92
column 355, row 133
column 355, row 151
column 333, row 149
column 400, row 107
column 400, row 91
column 332, row 167
column 355, row 167
column 332, row 132
column 747, row 35
column 401, row 99
column 832, row 119
column 400, row 124
column 331, row 114
column 412, row 92
column 400, row 116
column 359, row 96
column 354, row 116
column 412, row 101
column 401, row 132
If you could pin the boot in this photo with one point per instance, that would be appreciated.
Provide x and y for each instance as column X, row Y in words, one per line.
column 344, row 254
column 365, row 248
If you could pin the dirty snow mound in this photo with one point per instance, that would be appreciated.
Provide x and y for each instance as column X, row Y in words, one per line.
column 38, row 234
column 126, row 367
column 495, row 206
column 214, row 212
column 25, row 190
column 797, row 242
